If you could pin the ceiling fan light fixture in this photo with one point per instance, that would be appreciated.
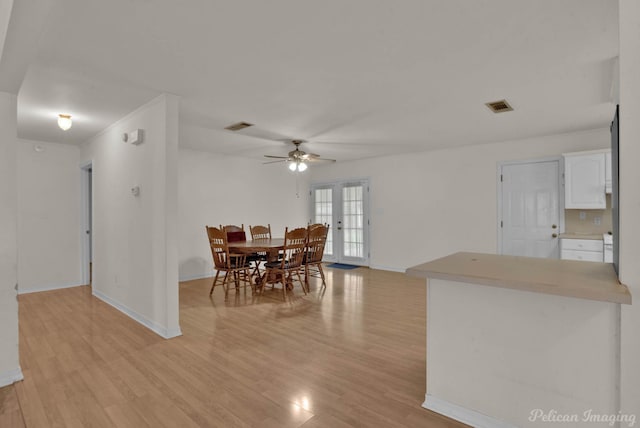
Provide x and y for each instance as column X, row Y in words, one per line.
column 64, row 121
column 297, row 165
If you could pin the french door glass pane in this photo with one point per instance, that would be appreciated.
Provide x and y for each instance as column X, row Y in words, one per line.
column 323, row 212
column 353, row 209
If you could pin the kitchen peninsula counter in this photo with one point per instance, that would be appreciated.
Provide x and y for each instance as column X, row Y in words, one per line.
column 507, row 335
column 569, row 278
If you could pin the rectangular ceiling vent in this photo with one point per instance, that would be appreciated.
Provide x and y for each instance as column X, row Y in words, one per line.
column 238, row 126
column 499, row 106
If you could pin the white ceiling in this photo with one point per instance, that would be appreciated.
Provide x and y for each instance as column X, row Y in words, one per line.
column 356, row 78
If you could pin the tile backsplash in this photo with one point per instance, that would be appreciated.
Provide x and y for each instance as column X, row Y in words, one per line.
column 573, row 223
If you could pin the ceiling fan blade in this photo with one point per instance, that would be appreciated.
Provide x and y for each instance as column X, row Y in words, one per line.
column 297, row 155
column 278, row 161
column 310, row 156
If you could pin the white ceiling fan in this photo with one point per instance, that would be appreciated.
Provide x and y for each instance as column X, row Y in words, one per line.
column 297, row 158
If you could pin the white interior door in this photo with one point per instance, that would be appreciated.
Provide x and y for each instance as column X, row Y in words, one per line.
column 345, row 207
column 530, row 209
column 86, row 231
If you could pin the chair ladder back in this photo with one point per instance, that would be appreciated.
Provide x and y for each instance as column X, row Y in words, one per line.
column 316, row 242
column 260, row 232
column 219, row 247
column 295, row 243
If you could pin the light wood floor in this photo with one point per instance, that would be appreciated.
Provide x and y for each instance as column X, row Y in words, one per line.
column 353, row 356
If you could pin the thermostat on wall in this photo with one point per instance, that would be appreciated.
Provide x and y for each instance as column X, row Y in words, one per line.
column 136, row 137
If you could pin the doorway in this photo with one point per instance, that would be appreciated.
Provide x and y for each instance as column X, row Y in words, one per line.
column 530, row 208
column 344, row 206
column 86, row 225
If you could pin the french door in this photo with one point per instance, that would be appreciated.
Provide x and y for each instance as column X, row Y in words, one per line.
column 345, row 207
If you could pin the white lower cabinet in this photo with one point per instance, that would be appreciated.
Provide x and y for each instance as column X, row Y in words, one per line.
column 588, row 250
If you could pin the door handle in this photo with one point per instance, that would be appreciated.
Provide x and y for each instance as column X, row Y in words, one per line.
column 553, row 226
column 554, row 235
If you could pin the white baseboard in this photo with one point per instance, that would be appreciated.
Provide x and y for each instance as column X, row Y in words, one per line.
column 11, row 376
column 462, row 414
column 48, row 287
column 198, row 276
column 387, row 268
column 151, row 325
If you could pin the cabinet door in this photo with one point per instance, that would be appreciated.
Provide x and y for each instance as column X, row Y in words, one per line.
column 585, row 181
column 608, row 172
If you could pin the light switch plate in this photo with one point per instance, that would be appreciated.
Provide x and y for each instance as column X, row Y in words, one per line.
column 583, row 215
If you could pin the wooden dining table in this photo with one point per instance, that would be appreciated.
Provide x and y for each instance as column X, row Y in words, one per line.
column 271, row 246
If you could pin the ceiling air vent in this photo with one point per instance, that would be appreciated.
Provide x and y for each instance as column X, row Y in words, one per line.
column 499, row 106
column 238, row 126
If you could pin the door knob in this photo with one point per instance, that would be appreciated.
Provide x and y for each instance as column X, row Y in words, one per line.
column 553, row 226
column 554, row 235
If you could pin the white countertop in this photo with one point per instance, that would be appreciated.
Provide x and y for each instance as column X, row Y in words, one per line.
column 569, row 278
column 569, row 235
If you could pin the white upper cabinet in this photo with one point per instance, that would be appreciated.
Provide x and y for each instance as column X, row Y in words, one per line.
column 585, row 174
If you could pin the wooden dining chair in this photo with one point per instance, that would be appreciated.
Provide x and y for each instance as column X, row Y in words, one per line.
column 260, row 232
column 316, row 240
column 237, row 234
column 234, row 233
column 232, row 265
column 286, row 270
column 232, row 228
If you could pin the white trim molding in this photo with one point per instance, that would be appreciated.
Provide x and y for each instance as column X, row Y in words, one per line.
column 11, row 376
column 49, row 287
column 388, row 268
column 462, row 414
column 198, row 276
column 151, row 325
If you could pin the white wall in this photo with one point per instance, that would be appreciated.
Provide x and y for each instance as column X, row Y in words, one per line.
column 48, row 216
column 444, row 201
column 134, row 238
column 630, row 200
column 504, row 353
column 9, row 361
column 216, row 189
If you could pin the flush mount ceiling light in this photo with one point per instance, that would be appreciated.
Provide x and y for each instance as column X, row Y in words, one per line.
column 64, row 121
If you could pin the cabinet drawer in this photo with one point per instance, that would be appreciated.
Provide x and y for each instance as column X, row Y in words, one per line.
column 581, row 244
column 586, row 256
